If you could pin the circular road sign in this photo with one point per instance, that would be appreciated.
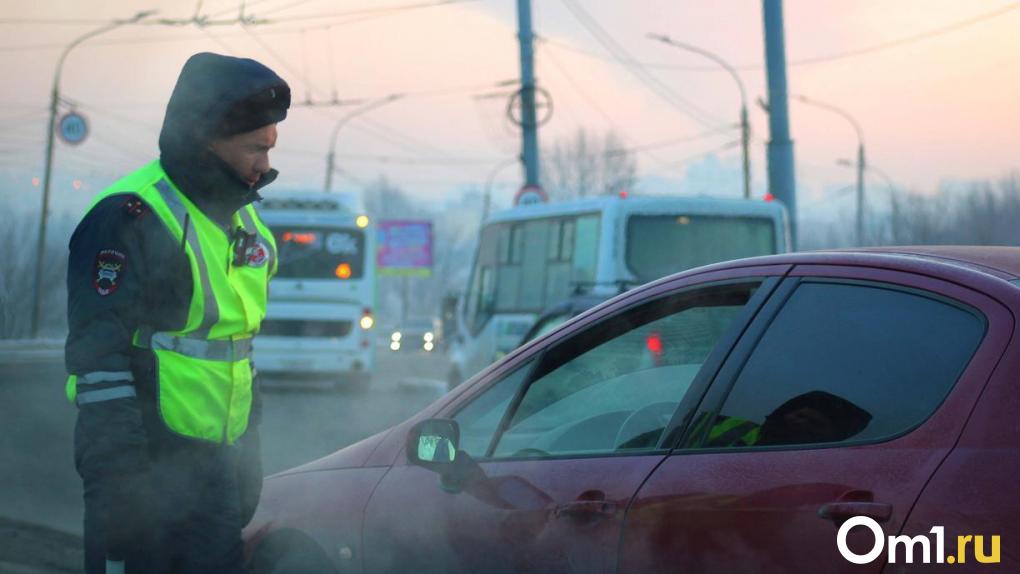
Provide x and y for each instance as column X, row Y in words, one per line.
column 543, row 107
column 73, row 128
column 530, row 195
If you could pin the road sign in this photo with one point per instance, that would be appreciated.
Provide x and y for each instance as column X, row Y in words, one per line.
column 530, row 195
column 73, row 128
column 404, row 247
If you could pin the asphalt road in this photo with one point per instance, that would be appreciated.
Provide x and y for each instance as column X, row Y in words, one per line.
column 38, row 483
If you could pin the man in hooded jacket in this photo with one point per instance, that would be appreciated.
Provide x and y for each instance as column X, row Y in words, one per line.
column 167, row 280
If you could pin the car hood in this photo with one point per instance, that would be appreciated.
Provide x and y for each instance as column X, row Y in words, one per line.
column 353, row 456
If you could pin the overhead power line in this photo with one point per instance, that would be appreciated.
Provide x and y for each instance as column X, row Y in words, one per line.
column 378, row 10
column 822, row 58
column 636, row 69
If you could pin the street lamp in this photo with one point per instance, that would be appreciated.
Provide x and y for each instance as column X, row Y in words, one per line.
column 861, row 165
column 745, row 128
column 331, row 157
column 51, row 128
column 871, row 168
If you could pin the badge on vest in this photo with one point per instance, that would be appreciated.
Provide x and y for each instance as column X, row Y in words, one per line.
column 109, row 265
column 256, row 255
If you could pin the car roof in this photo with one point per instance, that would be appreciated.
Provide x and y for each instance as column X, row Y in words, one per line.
column 988, row 258
column 997, row 261
column 576, row 303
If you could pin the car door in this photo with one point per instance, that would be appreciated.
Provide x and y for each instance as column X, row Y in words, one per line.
column 560, row 443
column 842, row 398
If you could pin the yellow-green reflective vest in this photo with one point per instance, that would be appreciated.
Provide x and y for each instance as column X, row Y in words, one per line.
column 204, row 375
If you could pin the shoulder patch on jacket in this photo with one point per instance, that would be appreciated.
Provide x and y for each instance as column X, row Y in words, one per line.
column 135, row 207
column 109, row 266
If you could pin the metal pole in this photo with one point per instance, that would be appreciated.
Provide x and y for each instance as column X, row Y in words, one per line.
column 860, row 194
column 782, row 184
column 745, row 126
column 48, row 170
column 861, row 166
column 529, row 122
column 331, row 156
column 745, row 142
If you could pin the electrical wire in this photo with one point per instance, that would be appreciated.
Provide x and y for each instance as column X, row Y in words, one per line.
column 309, row 87
column 823, row 58
column 636, row 69
column 385, row 10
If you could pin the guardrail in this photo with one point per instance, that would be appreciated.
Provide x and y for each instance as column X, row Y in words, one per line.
column 31, row 351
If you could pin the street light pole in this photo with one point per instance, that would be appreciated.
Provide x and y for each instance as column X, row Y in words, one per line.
column 331, row 157
column 872, row 168
column 745, row 128
column 861, row 163
column 50, row 132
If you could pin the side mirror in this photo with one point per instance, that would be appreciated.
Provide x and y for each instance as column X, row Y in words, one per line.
column 433, row 443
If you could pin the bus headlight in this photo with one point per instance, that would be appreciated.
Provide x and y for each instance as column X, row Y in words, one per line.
column 366, row 322
column 361, row 221
column 429, row 337
column 395, row 337
column 428, row 346
column 395, row 345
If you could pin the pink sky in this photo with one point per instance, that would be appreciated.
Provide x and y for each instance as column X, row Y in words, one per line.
column 943, row 108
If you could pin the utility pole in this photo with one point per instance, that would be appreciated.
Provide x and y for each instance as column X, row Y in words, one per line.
column 529, row 122
column 47, row 174
column 745, row 127
column 860, row 193
column 782, row 184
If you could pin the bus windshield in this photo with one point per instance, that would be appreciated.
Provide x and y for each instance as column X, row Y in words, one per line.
column 658, row 245
column 320, row 252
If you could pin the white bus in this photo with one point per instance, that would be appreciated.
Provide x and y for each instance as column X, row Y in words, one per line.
column 534, row 256
column 320, row 316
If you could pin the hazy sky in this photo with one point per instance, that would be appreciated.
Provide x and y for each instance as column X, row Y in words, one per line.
column 943, row 108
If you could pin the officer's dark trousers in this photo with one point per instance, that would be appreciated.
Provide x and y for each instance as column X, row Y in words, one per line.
column 190, row 511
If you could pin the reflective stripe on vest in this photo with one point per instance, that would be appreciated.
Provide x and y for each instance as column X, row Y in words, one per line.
column 197, row 348
column 210, row 308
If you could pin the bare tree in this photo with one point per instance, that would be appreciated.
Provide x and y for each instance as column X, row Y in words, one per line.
column 586, row 165
column 16, row 272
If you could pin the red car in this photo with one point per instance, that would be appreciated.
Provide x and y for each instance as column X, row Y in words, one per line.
column 847, row 411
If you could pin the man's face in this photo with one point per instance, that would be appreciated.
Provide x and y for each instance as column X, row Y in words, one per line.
column 247, row 153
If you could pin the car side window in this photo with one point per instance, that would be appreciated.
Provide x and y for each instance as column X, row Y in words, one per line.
column 846, row 362
column 479, row 420
column 615, row 386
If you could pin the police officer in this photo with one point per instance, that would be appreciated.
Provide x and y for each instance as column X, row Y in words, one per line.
column 167, row 283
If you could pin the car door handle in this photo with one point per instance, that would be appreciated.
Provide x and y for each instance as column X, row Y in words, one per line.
column 585, row 510
column 841, row 511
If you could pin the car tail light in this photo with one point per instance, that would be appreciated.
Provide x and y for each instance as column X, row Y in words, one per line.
column 654, row 344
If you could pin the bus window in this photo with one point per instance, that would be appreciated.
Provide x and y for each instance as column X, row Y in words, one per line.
column 658, row 245
column 318, row 253
column 584, row 253
column 480, row 298
column 531, row 296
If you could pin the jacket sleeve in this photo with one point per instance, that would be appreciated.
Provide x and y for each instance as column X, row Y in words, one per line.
column 105, row 267
column 105, row 299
